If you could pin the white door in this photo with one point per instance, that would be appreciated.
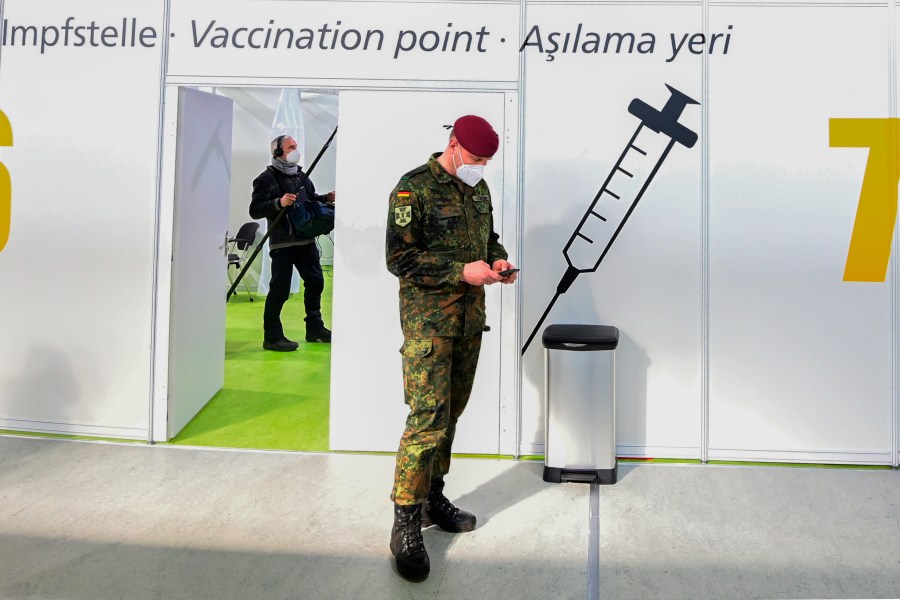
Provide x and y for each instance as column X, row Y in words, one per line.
column 202, row 197
column 382, row 136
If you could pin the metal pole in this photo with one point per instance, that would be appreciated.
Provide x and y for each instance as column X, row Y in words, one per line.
column 546, row 403
column 277, row 220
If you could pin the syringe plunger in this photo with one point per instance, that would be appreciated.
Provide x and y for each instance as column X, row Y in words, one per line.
column 665, row 121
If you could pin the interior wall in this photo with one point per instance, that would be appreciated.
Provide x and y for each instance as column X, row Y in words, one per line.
column 649, row 282
column 800, row 360
column 77, row 271
column 366, row 375
column 726, row 282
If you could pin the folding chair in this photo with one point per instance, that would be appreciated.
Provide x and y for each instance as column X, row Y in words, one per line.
column 238, row 248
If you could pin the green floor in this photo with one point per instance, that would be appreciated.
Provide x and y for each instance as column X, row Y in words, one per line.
column 271, row 400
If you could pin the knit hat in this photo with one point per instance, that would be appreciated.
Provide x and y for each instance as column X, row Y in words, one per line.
column 476, row 135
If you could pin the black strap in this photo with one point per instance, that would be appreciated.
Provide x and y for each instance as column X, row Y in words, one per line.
column 280, row 178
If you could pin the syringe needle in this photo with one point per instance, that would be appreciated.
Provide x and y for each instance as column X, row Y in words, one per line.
column 564, row 283
column 539, row 323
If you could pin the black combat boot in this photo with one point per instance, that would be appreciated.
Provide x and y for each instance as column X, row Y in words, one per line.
column 316, row 330
column 441, row 512
column 318, row 333
column 407, row 545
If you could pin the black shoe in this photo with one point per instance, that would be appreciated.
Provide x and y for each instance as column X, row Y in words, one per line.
column 282, row 345
column 318, row 334
column 441, row 512
column 407, row 545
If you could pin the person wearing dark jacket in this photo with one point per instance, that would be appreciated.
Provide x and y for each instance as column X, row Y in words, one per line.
column 283, row 185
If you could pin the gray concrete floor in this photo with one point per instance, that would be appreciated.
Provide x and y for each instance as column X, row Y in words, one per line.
column 89, row 521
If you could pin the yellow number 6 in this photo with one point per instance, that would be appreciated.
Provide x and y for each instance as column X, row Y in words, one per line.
column 6, row 139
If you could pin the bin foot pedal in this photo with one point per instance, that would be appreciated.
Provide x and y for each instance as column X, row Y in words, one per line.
column 599, row 476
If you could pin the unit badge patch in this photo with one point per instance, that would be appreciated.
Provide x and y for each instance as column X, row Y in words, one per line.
column 403, row 215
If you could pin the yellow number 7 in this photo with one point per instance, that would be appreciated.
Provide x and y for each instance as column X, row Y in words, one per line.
column 873, row 230
column 6, row 139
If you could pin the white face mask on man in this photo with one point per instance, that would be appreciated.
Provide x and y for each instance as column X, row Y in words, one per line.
column 293, row 157
column 468, row 174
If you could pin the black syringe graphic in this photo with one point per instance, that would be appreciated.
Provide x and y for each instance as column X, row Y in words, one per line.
column 621, row 191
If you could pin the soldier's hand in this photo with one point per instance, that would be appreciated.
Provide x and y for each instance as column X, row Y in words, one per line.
column 287, row 199
column 479, row 273
column 502, row 265
column 330, row 197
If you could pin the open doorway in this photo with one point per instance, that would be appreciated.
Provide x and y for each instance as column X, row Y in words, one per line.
column 271, row 400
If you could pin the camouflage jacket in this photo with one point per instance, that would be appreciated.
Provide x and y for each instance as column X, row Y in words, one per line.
column 436, row 224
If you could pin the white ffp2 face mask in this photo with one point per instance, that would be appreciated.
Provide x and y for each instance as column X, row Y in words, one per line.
column 293, row 157
column 468, row 174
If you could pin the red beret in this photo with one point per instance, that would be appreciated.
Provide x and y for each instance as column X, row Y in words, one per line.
column 476, row 135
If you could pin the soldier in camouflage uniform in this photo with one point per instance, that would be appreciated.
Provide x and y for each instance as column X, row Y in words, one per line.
column 442, row 246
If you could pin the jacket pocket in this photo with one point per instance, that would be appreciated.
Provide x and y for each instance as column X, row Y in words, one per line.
column 447, row 228
column 482, row 204
column 414, row 348
column 426, row 384
column 448, row 211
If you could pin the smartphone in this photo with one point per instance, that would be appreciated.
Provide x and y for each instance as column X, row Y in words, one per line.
column 507, row 272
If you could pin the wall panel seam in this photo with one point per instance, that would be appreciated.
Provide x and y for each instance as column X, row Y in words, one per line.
column 895, row 269
column 731, row 3
column 2, row 41
column 704, row 253
column 520, row 216
column 154, row 274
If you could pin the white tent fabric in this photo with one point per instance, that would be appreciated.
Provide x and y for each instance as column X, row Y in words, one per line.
column 288, row 121
column 257, row 119
column 320, row 115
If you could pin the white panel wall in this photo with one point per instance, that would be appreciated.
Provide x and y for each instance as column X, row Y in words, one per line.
column 796, row 364
column 77, row 272
column 367, row 406
column 649, row 283
column 800, row 361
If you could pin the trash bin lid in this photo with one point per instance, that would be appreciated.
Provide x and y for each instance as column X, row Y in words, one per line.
column 582, row 338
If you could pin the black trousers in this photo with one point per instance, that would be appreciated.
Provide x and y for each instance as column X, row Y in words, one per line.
column 284, row 260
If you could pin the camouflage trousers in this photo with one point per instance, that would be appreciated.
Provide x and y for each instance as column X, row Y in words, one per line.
column 438, row 373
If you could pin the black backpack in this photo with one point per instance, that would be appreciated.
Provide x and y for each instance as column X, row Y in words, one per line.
column 309, row 218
